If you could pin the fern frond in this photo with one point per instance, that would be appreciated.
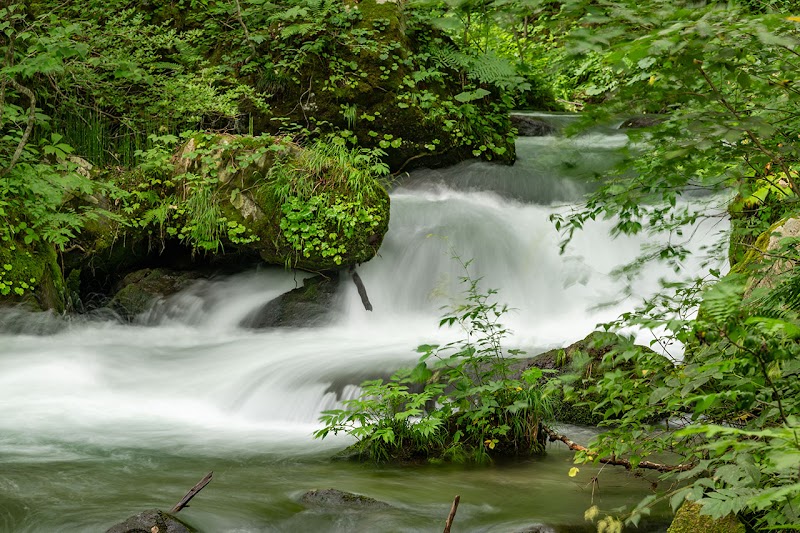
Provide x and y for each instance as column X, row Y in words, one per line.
column 491, row 69
column 723, row 300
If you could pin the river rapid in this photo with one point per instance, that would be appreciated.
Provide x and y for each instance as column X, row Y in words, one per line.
column 100, row 420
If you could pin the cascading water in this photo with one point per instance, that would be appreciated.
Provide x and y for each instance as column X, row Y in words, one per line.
column 100, row 420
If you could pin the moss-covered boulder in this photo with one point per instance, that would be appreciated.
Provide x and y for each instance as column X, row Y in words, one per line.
column 377, row 74
column 315, row 208
column 783, row 232
column 30, row 275
column 223, row 201
column 752, row 212
column 689, row 520
column 581, row 362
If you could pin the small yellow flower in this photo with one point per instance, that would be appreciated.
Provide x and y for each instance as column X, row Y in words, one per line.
column 573, row 471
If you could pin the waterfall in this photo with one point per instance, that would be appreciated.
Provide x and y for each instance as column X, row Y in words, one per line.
column 185, row 378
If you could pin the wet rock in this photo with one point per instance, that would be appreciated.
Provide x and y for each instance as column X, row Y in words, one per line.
column 536, row 528
column 531, row 126
column 642, row 121
column 139, row 290
column 306, row 306
column 337, row 499
column 151, row 521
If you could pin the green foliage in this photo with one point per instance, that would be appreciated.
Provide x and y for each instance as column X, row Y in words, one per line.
column 470, row 406
column 313, row 186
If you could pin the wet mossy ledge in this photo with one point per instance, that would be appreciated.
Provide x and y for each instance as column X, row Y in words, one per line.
column 208, row 203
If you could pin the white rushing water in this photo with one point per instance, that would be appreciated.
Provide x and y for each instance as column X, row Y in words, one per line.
column 190, row 380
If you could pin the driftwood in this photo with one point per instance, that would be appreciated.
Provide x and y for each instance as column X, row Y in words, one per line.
column 452, row 514
column 362, row 291
column 192, row 493
column 615, row 461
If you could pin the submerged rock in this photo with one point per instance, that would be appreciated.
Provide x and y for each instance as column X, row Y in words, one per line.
column 151, row 521
column 337, row 499
column 306, row 306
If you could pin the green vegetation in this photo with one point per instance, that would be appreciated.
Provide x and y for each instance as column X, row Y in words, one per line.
column 130, row 131
column 471, row 405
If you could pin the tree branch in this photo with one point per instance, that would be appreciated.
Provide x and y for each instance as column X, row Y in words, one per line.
column 28, row 129
column 244, row 27
column 614, row 461
column 752, row 136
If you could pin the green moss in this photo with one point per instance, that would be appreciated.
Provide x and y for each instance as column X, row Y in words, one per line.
column 30, row 274
column 755, row 252
column 689, row 520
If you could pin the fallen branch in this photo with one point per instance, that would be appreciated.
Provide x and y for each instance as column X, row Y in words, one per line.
column 614, row 461
column 452, row 514
column 192, row 493
column 362, row 291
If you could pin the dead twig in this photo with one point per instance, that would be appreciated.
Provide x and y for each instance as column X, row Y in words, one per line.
column 452, row 514
column 192, row 493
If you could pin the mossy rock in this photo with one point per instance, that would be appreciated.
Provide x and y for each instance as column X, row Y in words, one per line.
column 30, row 275
column 382, row 94
column 751, row 212
column 335, row 499
column 689, row 520
column 153, row 520
column 338, row 224
column 584, row 358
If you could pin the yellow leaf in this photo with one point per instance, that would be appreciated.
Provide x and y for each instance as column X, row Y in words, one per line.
column 793, row 19
column 645, row 371
column 652, row 80
column 573, row 471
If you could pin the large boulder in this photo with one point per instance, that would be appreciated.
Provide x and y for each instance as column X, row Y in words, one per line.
column 528, row 126
column 224, row 202
column 388, row 80
column 314, row 208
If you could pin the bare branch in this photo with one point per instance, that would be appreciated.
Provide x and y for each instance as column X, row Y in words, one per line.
column 614, row 461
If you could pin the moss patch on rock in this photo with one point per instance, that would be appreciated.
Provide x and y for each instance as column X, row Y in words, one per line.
column 689, row 520
column 580, row 362
column 30, row 275
column 316, row 208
